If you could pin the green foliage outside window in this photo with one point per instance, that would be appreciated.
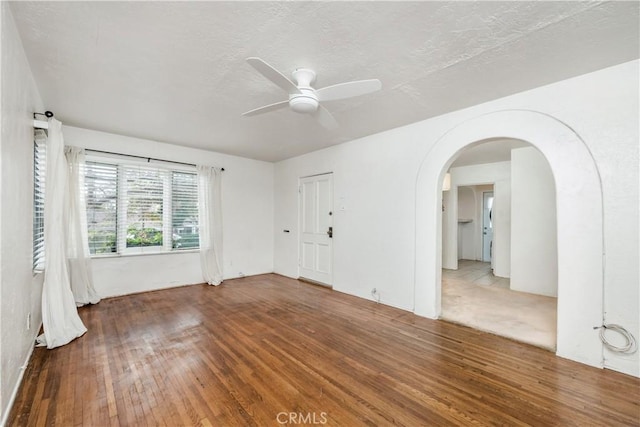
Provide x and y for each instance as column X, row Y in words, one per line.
column 143, row 237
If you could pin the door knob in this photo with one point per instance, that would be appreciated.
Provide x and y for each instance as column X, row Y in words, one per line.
column 330, row 232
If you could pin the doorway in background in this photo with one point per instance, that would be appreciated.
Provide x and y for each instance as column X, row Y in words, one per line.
column 487, row 226
column 316, row 229
column 471, row 293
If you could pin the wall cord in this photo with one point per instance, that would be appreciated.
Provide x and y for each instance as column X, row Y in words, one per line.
column 630, row 345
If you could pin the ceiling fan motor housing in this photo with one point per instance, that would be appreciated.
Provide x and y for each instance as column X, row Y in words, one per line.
column 307, row 101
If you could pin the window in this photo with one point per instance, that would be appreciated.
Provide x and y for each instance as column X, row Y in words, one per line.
column 143, row 208
column 140, row 209
column 101, row 185
column 184, row 208
column 39, row 168
column 130, row 208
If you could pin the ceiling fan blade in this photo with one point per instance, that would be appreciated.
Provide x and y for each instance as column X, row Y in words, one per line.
column 274, row 75
column 348, row 90
column 266, row 108
column 325, row 118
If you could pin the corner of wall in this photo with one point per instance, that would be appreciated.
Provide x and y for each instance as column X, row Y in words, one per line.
column 19, row 292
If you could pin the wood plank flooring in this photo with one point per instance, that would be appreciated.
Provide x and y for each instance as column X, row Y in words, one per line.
column 267, row 350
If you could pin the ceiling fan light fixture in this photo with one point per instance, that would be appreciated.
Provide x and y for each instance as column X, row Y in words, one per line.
column 303, row 104
column 303, row 98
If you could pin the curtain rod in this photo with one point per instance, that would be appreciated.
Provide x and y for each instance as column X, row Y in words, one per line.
column 42, row 124
column 48, row 114
column 143, row 157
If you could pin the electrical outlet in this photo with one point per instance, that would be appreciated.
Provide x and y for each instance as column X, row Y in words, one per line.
column 28, row 321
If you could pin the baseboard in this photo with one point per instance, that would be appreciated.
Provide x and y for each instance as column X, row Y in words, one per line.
column 174, row 286
column 16, row 388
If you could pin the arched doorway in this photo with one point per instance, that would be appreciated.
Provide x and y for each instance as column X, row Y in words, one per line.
column 499, row 262
column 579, row 216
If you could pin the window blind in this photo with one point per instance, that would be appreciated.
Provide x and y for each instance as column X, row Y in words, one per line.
column 184, row 207
column 140, row 208
column 39, row 172
column 130, row 208
column 101, row 186
column 142, row 216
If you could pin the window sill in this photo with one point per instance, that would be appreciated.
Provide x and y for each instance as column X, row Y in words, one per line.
column 108, row 256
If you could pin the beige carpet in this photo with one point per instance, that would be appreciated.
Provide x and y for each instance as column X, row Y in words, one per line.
column 472, row 296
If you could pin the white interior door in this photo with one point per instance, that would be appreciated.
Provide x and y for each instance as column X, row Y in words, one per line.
column 487, row 226
column 316, row 228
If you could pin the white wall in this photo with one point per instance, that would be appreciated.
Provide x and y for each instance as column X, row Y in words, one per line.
column 247, row 193
column 450, row 236
column 534, row 254
column 19, row 290
column 372, row 235
column 498, row 174
column 375, row 244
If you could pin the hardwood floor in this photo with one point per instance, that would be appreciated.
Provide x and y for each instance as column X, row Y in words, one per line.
column 267, row 350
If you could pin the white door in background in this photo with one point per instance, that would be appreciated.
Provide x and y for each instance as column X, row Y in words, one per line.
column 316, row 228
column 487, row 226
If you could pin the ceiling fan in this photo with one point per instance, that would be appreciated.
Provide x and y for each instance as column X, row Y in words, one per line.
column 305, row 99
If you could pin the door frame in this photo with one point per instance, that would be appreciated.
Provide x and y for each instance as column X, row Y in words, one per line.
column 299, row 235
column 482, row 235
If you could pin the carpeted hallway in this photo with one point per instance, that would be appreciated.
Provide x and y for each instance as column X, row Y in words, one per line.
column 474, row 297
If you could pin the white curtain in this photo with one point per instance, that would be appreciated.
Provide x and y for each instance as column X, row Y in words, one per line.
column 210, row 219
column 78, row 255
column 59, row 313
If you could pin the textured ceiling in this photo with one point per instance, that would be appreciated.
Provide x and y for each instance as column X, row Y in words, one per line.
column 176, row 71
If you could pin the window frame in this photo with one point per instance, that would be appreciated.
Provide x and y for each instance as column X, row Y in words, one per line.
column 121, row 212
